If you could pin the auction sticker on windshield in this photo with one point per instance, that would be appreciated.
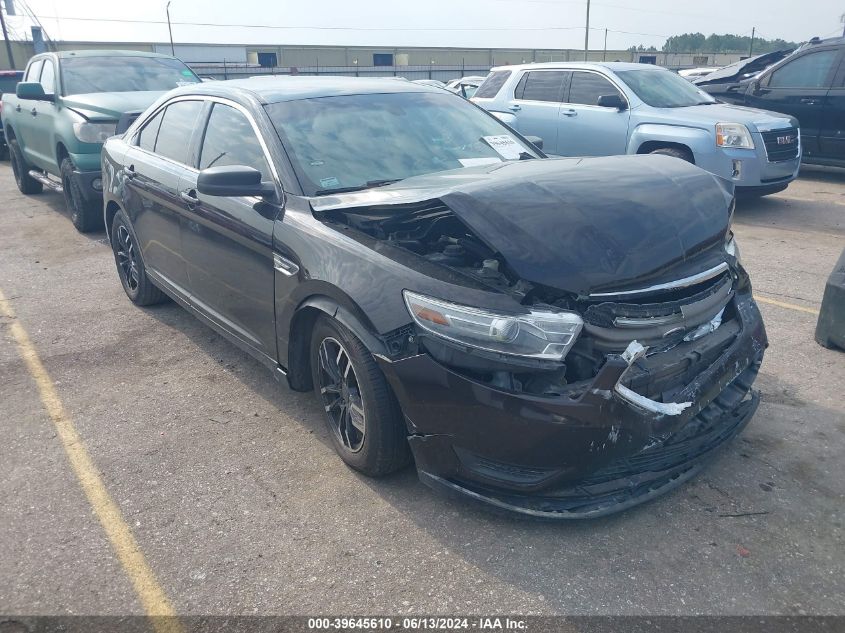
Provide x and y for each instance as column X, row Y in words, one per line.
column 505, row 146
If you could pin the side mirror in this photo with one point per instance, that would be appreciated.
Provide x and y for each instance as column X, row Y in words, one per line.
column 612, row 101
column 536, row 141
column 33, row 90
column 233, row 181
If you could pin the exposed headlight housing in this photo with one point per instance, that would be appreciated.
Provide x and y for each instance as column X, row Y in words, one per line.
column 539, row 335
column 93, row 132
column 733, row 135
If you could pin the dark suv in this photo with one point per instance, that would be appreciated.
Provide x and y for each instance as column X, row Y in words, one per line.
column 809, row 85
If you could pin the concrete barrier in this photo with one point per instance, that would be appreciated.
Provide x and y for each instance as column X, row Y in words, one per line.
column 830, row 329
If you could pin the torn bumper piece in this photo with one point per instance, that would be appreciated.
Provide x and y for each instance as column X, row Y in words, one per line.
column 595, row 450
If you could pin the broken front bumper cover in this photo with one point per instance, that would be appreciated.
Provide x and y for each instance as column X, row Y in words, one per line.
column 593, row 451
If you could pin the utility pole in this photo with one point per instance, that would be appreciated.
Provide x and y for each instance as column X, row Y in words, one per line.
column 6, row 38
column 587, row 33
column 604, row 53
column 751, row 46
column 169, row 29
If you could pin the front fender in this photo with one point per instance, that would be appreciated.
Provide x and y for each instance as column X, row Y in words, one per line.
column 699, row 141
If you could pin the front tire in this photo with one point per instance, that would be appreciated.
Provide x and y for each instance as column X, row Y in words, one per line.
column 26, row 183
column 362, row 414
column 85, row 215
column 130, row 265
column 675, row 152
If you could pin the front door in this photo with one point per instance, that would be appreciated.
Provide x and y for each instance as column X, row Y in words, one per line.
column 536, row 105
column 228, row 241
column 586, row 128
column 41, row 142
column 26, row 125
column 798, row 88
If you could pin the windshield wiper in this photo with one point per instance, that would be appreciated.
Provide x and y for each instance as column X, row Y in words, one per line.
column 370, row 184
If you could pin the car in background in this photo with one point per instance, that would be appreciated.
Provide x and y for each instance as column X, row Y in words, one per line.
column 602, row 109
column 563, row 338
column 465, row 86
column 808, row 85
column 66, row 106
column 691, row 74
column 724, row 81
column 8, row 80
column 430, row 82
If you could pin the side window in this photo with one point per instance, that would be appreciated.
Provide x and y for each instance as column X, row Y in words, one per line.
column 808, row 71
column 491, row 86
column 148, row 134
column 543, row 85
column 33, row 73
column 48, row 78
column 586, row 88
column 177, row 126
column 230, row 140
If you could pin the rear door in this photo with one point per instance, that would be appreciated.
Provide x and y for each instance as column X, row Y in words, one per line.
column 162, row 155
column 25, row 124
column 832, row 132
column 588, row 129
column 799, row 87
column 228, row 241
column 536, row 105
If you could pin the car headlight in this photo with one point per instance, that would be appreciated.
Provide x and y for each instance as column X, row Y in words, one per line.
column 539, row 334
column 733, row 135
column 731, row 247
column 94, row 132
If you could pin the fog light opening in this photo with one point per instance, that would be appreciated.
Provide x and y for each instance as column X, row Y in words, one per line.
column 736, row 174
column 97, row 184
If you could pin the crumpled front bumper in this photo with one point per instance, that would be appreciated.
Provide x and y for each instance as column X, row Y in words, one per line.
column 592, row 451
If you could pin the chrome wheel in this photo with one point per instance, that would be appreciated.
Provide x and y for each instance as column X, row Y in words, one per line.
column 127, row 258
column 341, row 395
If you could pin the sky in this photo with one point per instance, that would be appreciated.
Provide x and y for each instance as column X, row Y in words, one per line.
column 463, row 23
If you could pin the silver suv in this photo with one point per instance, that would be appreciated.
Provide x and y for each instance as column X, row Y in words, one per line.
column 600, row 109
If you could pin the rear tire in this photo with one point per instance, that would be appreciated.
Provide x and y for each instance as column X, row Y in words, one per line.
column 365, row 422
column 86, row 216
column 130, row 266
column 26, row 183
column 675, row 152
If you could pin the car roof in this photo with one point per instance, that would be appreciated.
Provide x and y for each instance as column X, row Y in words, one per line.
column 107, row 53
column 274, row 89
column 613, row 66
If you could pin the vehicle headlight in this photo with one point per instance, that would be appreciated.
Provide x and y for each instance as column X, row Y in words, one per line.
column 731, row 247
column 539, row 334
column 93, row 132
column 733, row 135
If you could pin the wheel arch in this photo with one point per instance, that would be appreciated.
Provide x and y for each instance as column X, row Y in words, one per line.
column 650, row 146
column 109, row 212
column 302, row 324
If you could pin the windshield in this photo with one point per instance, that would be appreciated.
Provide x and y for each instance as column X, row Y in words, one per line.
column 84, row 75
column 663, row 89
column 359, row 141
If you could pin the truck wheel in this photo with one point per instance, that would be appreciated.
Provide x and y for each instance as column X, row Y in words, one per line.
column 363, row 417
column 26, row 183
column 86, row 216
column 130, row 265
column 676, row 152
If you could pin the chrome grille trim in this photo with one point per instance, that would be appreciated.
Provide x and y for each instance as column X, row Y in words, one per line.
column 670, row 285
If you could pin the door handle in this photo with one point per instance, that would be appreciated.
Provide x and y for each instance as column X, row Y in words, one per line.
column 569, row 113
column 515, row 107
column 809, row 101
column 34, row 112
column 130, row 172
column 189, row 197
column 18, row 108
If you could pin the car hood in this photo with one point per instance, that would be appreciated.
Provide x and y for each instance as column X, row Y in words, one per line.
column 737, row 71
column 579, row 225
column 730, row 113
column 110, row 105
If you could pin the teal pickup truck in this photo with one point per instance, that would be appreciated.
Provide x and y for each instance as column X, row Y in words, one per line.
column 66, row 106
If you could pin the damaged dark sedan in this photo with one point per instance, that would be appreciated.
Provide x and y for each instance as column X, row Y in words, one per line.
column 562, row 338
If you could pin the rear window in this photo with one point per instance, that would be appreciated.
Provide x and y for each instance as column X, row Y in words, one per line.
column 491, row 86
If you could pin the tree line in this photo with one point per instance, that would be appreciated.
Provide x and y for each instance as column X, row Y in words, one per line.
column 699, row 43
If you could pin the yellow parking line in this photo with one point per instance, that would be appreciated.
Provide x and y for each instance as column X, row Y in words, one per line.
column 152, row 596
column 788, row 306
